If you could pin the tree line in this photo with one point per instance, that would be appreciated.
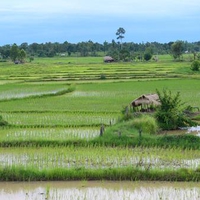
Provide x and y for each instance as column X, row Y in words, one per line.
column 119, row 51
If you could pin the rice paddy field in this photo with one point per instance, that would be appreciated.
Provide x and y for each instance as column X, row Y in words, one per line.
column 88, row 68
column 55, row 108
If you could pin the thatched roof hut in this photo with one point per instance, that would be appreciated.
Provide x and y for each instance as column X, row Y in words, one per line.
column 146, row 100
column 108, row 59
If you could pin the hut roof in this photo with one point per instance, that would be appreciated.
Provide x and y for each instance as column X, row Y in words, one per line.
column 108, row 59
column 146, row 99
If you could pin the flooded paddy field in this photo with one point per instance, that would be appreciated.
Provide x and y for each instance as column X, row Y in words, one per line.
column 99, row 157
column 17, row 134
column 98, row 190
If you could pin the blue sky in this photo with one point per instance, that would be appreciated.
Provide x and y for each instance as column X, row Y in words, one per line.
column 82, row 20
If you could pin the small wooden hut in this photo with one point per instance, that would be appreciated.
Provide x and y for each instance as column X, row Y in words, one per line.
column 108, row 59
column 146, row 102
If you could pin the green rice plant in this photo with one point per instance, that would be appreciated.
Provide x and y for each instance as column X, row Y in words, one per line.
column 98, row 157
column 59, row 134
column 102, row 97
column 59, row 119
column 19, row 90
column 120, row 174
column 90, row 69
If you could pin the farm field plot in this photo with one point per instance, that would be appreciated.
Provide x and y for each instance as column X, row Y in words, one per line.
column 89, row 105
column 100, row 97
column 99, row 157
column 23, row 90
column 27, row 134
column 83, row 69
column 60, row 119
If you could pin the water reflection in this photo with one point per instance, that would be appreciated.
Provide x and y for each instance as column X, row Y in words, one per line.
column 194, row 129
column 96, row 190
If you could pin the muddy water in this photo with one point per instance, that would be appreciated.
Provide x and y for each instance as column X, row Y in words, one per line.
column 190, row 130
column 98, row 190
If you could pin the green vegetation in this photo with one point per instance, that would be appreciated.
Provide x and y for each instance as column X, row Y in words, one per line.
column 195, row 66
column 126, row 173
column 146, row 123
column 148, row 54
column 130, row 50
column 177, row 49
column 75, row 163
column 17, row 55
column 3, row 122
column 59, row 105
column 170, row 114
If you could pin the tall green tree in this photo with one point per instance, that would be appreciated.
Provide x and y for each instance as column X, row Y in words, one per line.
column 120, row 34
column 177, row 49
column 22, row 55
column 14, row 52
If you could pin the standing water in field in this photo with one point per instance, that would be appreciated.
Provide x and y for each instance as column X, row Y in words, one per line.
column 96, row 190
column 194, row 129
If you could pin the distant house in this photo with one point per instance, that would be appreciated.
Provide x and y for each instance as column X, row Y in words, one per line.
column 108, row 59
column 146, row 102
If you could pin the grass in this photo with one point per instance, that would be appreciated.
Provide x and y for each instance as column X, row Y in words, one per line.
column 129, row 136
column 127, row 173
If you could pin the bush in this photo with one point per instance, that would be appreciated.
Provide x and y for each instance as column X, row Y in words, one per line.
column 146, row 124
column 102, row 76
column 195, row 66
column 147, row 56
column 126, row 114
column 170, row 114
column 3, row 122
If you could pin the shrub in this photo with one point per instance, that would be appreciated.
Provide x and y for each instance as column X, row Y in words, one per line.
column 102, row 76
column 195, row 66
column 126, row 114
column 146, row 124
column 147, row 56
column 3, row 122
column 170, row 114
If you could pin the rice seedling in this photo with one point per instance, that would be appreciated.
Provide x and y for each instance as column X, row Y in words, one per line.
column 65, row 119
column 99, row 157
column 25, row 134
column 15, row 91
